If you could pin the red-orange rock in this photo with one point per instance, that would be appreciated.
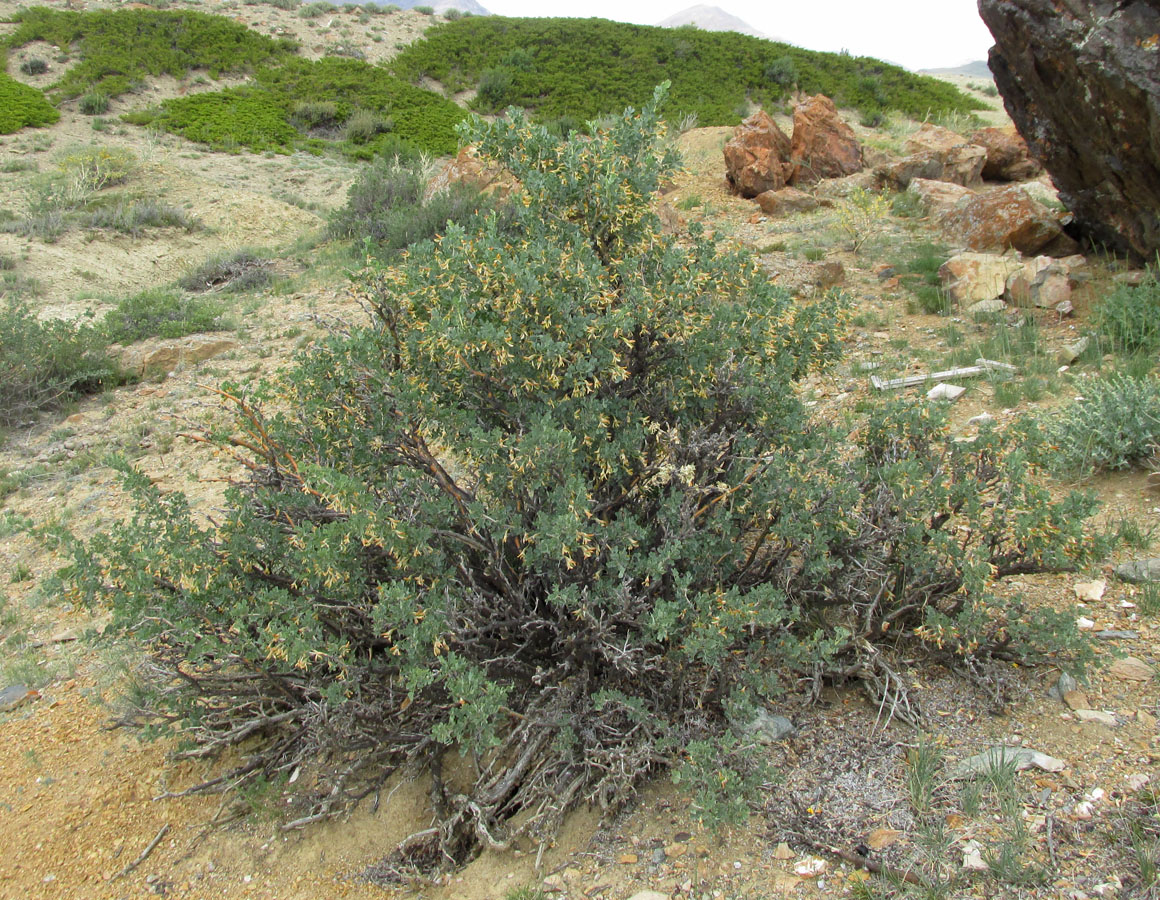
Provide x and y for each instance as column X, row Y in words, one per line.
column 1002, row 219
column 757, row 157
column 933, row 137
column 960, row 164
column 1008, row 158
column 467, row 168
column 823, row 145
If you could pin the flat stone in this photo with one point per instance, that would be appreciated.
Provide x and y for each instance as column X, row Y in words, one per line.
column 1021, row 757
column 1131, row 668
column 1064, row 686
column 1109, row 635
column 16, row 695
column 1139, row 571
column 985, row 307
column 1069, row 353
column 769, row 728
column 649, row 895
column 1076, row 700
column 945, row 392
column 1096, row 717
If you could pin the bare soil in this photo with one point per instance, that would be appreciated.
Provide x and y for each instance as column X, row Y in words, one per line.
column 81, row 798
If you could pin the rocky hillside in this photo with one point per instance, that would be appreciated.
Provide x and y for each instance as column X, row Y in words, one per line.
column 199, row 266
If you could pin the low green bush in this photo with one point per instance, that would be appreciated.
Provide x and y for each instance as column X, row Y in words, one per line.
column 560, row 508
column 1114, row 426
column 22, row 106
column 44, row 364
column 164, row 313
column 1128, row 318
column 316, row 9
column 363, row 126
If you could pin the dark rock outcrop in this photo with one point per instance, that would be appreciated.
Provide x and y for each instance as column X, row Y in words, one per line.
column 1081, row 80
column 1008, row 158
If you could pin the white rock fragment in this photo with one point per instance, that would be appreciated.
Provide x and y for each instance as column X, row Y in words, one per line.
column 1137, row 782
column 1090, row 590
column 1096, row 717
column 811, row 867
column 945, row 392
column 973, row 857
column 1084, row 623
column 1021, row 757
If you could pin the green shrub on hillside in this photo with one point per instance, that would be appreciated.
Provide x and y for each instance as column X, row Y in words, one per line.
column 325, row 93
column 44, row 364
column 561, row 509
column 22, row 106
column 385, row 207
column 590, row 67
column 117, row 47
column 162, row 312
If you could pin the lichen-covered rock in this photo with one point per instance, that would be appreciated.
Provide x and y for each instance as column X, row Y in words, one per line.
column 933, row 137
column 1002, row 219
column 960, row 164
column 467, row 168
column 972, row 277
column 937, row 197
column 823, row 146
column 786, row 201
column 757, row 157
column 1008, row 158
column 1081, row 81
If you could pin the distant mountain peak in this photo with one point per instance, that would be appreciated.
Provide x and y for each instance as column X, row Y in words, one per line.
column 709, row 18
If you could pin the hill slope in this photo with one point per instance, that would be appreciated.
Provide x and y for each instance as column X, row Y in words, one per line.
column 585, row 68
column 709, row 18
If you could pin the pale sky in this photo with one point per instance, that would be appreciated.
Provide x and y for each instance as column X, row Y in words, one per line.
column 918, row 34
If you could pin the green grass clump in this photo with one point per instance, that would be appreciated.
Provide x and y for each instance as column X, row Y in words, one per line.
column 133, row 217
column 1115, row 425
column 118, row 47
column 43, row 364
column 919, row 272
column 22, row 106
column 164, row 313
column 1129, row 317
column 590, row 67
column 94, row 103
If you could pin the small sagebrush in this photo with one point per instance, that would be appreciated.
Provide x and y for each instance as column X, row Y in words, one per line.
column 1114, row 425
column 240, row 270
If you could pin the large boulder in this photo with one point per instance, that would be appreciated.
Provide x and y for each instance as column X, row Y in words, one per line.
column 1081, row 81
column 937, row 197
column 1008, row 158
column 974, row 277
column 757, row 157
column 1002, row 219
column 960, row 164
column 933, row 137
column 823, row 146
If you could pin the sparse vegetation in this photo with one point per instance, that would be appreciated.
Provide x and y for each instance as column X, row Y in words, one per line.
column 232, row 271
column 560, row 507
column 34, row 66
